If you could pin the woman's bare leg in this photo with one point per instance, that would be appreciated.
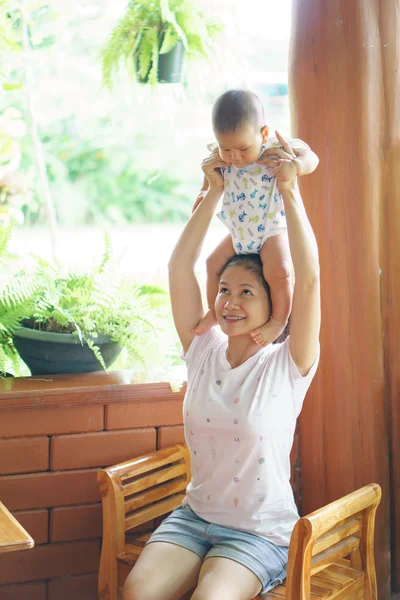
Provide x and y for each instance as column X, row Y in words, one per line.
column 225, row 579
column 217, row 259
column 163, row 571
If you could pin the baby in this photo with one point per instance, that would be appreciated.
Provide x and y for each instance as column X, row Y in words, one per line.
column 252, row 207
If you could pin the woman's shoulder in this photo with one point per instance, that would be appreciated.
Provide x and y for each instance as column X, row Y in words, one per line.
column 281, row 357
column 204, row 344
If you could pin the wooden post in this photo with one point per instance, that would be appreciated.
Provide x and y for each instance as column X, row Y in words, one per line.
column 338, row 107
column 390, row 38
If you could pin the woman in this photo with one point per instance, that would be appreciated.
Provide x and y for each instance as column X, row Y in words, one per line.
column 229, row 539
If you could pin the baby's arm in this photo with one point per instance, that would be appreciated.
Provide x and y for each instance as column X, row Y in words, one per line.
column 306, row 160
column 301, row 161
column 275, row 256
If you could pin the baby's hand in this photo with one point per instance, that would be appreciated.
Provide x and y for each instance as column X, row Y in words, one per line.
column 281, row 159
column 285, row 170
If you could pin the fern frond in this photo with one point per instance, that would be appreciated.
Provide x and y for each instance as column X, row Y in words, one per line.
column 146, row 52
column 96, row 351
column 107, row 254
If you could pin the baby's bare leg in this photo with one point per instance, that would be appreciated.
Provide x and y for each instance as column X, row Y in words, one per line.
column 222, row 253
column 275, row 256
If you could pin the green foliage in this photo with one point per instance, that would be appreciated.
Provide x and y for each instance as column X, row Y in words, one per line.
column 89, row 305
column 112, row 187
column 16, row 301
column 153, row 27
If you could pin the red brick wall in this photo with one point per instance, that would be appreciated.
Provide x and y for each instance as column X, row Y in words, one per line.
column 53, row 440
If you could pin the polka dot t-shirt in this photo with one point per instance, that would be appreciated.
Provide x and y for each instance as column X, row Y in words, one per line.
column 239, row 426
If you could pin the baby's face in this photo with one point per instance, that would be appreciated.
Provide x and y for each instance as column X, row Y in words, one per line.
column 242, row 146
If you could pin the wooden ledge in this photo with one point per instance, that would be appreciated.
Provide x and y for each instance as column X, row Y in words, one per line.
column 84, row 388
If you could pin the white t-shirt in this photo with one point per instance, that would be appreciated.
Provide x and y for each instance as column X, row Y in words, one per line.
column 239, row 426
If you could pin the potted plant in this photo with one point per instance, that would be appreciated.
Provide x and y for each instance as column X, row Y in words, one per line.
column 74, row 323
column 16, row 300
column 152, row 37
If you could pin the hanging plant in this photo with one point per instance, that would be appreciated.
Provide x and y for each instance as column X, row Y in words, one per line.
column 152, row 29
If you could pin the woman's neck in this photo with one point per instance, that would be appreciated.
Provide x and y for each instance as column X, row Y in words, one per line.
column 240, row 349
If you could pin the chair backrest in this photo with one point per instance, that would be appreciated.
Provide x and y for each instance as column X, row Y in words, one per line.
column 142, row 489
column 340, row 529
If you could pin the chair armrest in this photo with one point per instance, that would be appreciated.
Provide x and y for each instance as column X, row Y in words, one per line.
column 323, row 519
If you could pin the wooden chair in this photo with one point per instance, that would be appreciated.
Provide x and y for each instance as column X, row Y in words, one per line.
column 12, row 535
column 331, row 550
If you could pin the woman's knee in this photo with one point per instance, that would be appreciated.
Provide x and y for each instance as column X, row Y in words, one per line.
column 208, row 595
column 212, row 592
column 139, row 590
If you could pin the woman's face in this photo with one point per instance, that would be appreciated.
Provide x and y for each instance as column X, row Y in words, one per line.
column 242, row 303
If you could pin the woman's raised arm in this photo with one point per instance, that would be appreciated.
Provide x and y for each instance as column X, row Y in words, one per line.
column 187, row 308
column 305, row 318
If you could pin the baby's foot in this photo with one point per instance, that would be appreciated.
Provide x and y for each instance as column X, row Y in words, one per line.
column 268, row 333
column 208, row 321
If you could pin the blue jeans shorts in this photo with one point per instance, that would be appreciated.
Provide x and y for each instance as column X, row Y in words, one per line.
column 184, row 528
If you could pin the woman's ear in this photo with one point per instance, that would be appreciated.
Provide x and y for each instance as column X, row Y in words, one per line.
column 264, row 133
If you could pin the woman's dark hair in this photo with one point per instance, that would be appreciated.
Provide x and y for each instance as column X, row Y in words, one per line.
column 252, row 263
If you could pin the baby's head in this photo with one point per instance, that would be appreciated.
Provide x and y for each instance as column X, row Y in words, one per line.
column 239, row 127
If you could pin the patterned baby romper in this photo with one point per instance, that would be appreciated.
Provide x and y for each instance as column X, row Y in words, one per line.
column 252, row 206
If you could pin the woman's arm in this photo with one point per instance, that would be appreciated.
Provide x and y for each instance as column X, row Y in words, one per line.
column 187, row 308
column 305, row 317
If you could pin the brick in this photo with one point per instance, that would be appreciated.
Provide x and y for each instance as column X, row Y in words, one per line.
column 81, row 587
column 100, row 449
column 49, row 561
column 36, row 523
column 40, row 490
column 24, row 455
column 24, row 591
column 16, row 422
column 75, row 522
column 151, row 413
column 166, row 436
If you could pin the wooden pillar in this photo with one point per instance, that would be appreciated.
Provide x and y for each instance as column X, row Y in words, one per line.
column 390, row 39
column 338, row 106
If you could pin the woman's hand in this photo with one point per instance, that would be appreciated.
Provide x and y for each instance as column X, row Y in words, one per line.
column 211, row 168
column 282, row 161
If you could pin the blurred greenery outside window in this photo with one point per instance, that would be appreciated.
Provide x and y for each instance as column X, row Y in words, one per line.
column 128, row 159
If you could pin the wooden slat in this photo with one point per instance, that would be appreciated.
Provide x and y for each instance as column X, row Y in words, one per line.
column 320, row 591
column 345, row 562
column 150, row 462
column 155, row 478
column 347, row 528
column 335, row 575
column 154, row 510
column 150, row 496
column 141, row 540
column 279, row 591
column 326, row 583
column 345, row 570
column 334, row 553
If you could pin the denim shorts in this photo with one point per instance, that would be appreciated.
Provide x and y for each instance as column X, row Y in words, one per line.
column 185, row 528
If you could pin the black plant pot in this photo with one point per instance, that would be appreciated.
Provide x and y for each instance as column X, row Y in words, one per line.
column 170, row 64
column 50, row 353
